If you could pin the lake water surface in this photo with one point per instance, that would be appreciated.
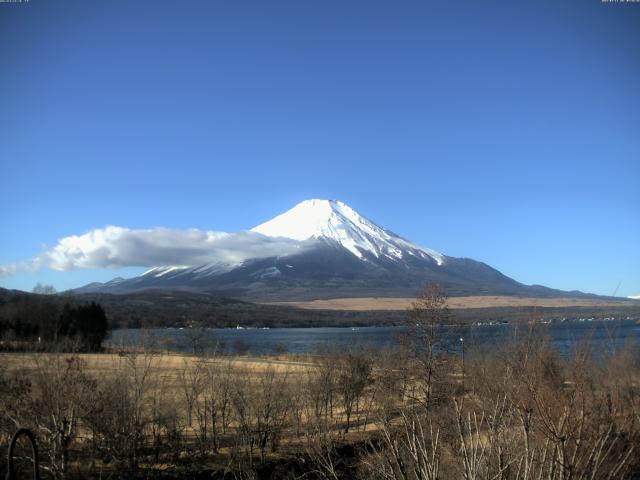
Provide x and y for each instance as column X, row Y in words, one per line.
column 604, row 336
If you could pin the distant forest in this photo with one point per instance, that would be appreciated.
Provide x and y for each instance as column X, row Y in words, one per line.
column 43, row 320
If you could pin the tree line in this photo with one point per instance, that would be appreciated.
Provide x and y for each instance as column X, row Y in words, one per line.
column 30, row 322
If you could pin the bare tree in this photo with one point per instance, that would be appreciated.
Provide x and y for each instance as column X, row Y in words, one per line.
column 163, row 428
column 261, row 410
column 119, row 417
column 213, row 408
column 196, row 338
column 191, row 384
column 353, row 377
column 410, row 448
column 61, row 392
column 321, row 448
column 44, row 289
column 425, row 315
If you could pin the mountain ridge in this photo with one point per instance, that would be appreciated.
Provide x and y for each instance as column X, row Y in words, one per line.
column 342, row 254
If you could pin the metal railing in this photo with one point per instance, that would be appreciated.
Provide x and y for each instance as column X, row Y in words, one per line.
column 11, row 470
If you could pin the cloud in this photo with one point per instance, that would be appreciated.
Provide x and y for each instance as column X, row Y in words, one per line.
column 6, row 270
column 26, row 266
column 114, row 247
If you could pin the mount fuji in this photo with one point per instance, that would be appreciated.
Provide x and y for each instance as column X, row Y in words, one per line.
column 341, row 254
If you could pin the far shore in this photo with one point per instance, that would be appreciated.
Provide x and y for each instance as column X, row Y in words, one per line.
column 381, row 303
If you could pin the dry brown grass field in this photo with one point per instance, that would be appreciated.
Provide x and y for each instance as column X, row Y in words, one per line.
column 380, row 303
column 165, row 364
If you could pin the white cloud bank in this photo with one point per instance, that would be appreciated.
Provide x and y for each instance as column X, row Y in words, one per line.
column 114, row 247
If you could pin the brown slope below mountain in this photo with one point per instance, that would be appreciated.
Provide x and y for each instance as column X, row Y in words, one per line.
column 489, row 301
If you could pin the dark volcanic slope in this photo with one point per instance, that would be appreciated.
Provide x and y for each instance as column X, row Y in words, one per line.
column 342, row 254
column 328, row 271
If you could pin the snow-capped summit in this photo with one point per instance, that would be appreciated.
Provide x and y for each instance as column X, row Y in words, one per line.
column 336, row 221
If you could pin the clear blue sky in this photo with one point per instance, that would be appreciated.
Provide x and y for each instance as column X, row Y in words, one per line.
column 508, row 132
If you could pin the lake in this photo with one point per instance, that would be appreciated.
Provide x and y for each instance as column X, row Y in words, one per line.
column 564, row 337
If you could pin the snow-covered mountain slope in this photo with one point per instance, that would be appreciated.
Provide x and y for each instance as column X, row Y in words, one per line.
column 341, row 254
column 201, row 271
column 335, row 221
